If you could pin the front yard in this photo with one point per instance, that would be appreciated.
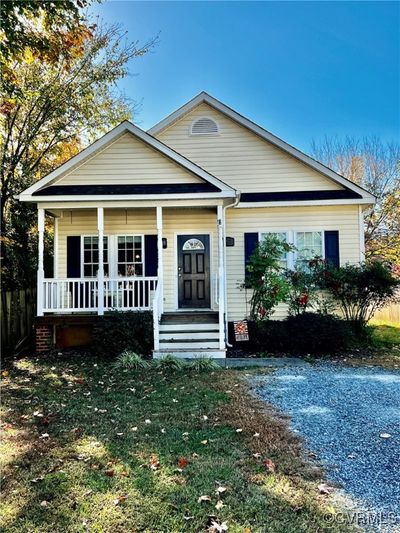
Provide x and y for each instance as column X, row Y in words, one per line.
column 89, row 448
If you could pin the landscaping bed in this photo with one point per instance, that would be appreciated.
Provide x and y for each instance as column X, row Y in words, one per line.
column 88, row 447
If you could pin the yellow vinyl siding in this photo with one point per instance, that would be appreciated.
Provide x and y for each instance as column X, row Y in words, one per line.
column 143, row 221
column 241, row 158
column 127, row 161
column 241, row 221
column 203, row 220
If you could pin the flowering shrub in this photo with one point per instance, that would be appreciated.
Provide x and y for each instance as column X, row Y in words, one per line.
column 266, row 277
column 358, row 290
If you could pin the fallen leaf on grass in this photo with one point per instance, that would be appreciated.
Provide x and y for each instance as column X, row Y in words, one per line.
column 44, row 503
column 270, row 466
column 204, row 442
column 218, row 528
column 204, row 498
column 5, row 373
column 325, row 489
column 182, row 462
column 219, row 505
column 220, row 490
column 154, row 462
column 109, row 473
column 119, row 500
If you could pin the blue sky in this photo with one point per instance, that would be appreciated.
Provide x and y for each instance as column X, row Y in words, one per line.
column 299, row 69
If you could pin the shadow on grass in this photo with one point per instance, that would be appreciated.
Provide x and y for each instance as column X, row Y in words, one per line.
column 111, row 460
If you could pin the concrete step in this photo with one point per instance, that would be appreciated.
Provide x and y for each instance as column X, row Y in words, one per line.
column 190, row 344
column 190, row 354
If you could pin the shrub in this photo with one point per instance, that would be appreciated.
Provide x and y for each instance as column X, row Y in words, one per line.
column 359, row 290
column 170, row 363
column 306, row 333
column 131, row 361
column 314, row 333
column 265, row 276
column 124, row 330
column 204, row 364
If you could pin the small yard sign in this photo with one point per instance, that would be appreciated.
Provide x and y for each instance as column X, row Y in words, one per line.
column 241, row 330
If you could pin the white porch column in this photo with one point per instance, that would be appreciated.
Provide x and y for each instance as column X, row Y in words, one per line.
column 221, row 275
column 40, row 271
column 100, row 272
column 160, row 266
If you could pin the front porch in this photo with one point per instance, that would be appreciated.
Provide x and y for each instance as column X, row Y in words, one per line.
column 162, row 259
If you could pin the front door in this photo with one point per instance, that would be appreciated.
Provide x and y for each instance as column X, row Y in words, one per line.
column 194, row 271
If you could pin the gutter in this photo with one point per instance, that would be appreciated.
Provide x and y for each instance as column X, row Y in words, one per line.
column 234, row 204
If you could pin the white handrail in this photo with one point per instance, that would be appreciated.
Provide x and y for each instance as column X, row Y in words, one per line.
column 157, row 312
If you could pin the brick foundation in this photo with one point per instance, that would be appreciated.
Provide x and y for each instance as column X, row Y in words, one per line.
column 44, row 338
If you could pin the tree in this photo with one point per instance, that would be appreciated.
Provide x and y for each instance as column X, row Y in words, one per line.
column 374, row 165
column 51, row 109
column 39, row 25
column 358, row 290
column 265, row 276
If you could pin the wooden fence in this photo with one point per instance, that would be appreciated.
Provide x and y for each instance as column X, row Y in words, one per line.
column 17, row 310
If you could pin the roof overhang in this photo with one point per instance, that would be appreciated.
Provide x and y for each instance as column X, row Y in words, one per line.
column 204, row 97
column 29, row 195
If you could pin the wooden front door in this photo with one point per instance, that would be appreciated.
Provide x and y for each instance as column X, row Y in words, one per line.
column 193, row 271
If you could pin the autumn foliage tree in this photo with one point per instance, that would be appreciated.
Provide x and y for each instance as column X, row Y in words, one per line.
column 375, row 165
column 57, row 96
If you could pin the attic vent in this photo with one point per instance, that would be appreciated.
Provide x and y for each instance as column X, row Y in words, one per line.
column 204, row 126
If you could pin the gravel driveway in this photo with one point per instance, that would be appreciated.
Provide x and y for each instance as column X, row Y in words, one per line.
column 344, row 413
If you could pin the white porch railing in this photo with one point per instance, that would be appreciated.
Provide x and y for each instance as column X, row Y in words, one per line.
column 81, row 294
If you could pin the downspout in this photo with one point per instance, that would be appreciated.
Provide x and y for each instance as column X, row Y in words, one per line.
column 234, row 204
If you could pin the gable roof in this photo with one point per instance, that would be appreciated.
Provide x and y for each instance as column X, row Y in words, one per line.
column 204, row 97
column 45, row 186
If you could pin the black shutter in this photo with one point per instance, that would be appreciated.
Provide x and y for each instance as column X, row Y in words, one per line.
column 74, row 257
column 150, row 255
column 250, row 243
column 332, row 247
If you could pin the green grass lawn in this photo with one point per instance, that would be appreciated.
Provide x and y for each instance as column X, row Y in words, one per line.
column 386, row 335
column 88, row 448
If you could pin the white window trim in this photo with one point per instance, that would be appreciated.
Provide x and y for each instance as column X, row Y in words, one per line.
column 83, row 257
column 209, row 134
column 291, row 238
column 115, row 252
column 112, row 241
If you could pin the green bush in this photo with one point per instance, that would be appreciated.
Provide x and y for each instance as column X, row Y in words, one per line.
column 317, row 334
column 204, row 364
column 131, row 361
column 170, row 363
column 124, row 330
column 306, row 333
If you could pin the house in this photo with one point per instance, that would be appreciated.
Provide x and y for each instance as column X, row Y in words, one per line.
column 165, row 220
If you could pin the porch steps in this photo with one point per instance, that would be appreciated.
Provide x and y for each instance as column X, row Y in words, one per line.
column 189, row 335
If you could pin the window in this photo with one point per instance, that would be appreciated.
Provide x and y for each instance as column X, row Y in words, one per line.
column 193, row 244
column 204, row 126
column 309, row 244
column 282, row 235
column 130, row 255
column 91, row 256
